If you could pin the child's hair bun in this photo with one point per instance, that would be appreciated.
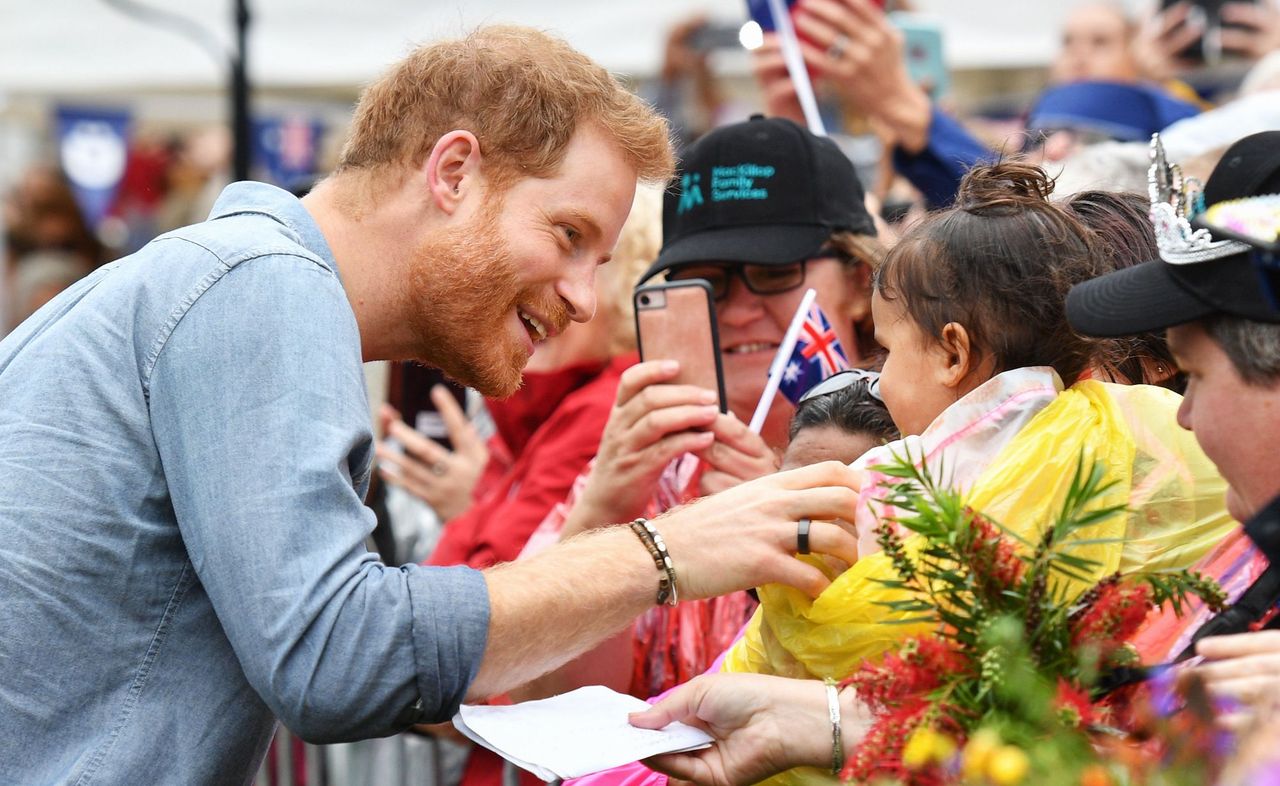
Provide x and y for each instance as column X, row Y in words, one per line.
column 996, row 188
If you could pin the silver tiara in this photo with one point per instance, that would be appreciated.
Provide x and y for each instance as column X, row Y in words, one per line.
column 1175, row 201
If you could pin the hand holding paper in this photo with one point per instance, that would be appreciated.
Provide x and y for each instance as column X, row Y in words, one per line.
column 574, row 734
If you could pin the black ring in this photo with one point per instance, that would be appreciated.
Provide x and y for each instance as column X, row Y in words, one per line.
column 802, row 536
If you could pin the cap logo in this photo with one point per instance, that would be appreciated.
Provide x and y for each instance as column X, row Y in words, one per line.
column 690, row 193
column 1175, row 200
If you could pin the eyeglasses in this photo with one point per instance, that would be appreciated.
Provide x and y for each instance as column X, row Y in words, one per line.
column 759, row 279
column 843, row 379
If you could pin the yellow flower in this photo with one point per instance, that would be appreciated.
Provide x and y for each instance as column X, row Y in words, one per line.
column 1008, row 766
column 977, row 753
column 925, row 747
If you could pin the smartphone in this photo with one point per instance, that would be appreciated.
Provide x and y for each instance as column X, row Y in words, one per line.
column 409, row 391
column 1207, row 48
column 922, row 48
column 676, row 320
column 712, row 36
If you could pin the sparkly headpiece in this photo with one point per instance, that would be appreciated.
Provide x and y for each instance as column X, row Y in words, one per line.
column 1175, row 201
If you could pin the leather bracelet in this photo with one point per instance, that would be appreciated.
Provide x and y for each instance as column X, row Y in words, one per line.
column 837, row 740
column 657, row 548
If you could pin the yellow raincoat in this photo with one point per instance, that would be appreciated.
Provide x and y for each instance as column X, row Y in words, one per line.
column 1175, row 496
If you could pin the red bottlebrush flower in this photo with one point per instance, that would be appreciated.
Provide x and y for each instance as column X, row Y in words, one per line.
column 1114, row 615
column 879, row 755
column 994, row 554
column 916, row 668
column 1073, row 706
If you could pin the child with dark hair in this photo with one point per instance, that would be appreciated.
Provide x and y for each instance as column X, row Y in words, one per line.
column 1123, row 234
column 991, row 385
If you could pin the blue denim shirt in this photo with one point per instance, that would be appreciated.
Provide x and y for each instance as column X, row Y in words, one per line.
column 184, row 449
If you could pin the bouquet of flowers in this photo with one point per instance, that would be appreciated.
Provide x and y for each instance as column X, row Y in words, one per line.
column 1012, row 682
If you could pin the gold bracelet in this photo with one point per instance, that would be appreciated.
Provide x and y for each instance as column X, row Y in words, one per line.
column 657, row 549
column 837, row 740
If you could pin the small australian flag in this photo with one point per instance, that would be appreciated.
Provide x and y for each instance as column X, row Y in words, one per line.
column 816, row 356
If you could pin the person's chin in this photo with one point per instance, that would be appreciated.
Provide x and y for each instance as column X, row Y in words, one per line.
column 494, row 371
column 1238, row 507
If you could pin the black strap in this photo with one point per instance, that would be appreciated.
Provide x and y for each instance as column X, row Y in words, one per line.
column 1264, row 530
column 1261, row 596
column 1256, row 601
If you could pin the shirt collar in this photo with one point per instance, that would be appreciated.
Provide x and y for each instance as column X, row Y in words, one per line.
column 279, row 205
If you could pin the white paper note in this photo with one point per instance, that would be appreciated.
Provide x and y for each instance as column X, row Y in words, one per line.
column 574, row 734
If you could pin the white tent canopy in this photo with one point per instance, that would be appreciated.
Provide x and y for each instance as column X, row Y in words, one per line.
column 88, row 46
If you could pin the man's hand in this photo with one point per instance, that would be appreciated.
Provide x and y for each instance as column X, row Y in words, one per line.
column 762, row 726
column 651, row 424
column 442, row 478
column 746, row 536
column 737, row 455
column 548, row 609
column 1245, row 668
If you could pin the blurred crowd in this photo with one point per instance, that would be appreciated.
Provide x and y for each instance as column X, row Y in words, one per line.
column 169, row 181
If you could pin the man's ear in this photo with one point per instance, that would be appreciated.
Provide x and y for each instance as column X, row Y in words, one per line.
column 960, row 359
column 452, row 170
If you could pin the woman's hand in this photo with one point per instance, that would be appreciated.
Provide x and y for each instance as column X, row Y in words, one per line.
column 776, row 87
column 853, row 45
column 444, row 479
column 1161, row 36
column 1256, row 30
column 738, row 454
column 651, row 423
column 762, row 725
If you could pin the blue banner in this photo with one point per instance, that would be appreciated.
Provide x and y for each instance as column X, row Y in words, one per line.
column 285, row 150
column 93, row 147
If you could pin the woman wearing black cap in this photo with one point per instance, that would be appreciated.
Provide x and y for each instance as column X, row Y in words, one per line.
column 762, row 210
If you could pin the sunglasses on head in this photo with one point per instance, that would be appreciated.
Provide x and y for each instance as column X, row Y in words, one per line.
column 843, row 379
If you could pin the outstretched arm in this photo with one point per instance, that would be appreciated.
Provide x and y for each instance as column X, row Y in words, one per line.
column 549, row 609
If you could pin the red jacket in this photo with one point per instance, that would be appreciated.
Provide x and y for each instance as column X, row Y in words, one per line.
column 549, row 431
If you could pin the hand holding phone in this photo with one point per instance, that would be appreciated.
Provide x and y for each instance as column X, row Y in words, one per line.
column 1204, row 31
column 410, row 392
column 432, row 450
column 677, row 321
column 922, row 49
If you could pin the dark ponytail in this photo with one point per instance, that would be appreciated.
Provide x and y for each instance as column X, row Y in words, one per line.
column 1000, row 263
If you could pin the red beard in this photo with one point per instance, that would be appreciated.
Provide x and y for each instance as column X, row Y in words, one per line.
column 462, row 290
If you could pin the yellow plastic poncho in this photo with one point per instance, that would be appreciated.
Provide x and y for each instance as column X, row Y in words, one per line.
column 1177, row 514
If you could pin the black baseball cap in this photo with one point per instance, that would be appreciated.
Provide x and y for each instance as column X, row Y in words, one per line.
column 764, row 191
column 1156, row 294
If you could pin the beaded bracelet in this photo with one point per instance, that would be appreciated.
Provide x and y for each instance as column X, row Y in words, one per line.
column 837, row 739
column 657, row 549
